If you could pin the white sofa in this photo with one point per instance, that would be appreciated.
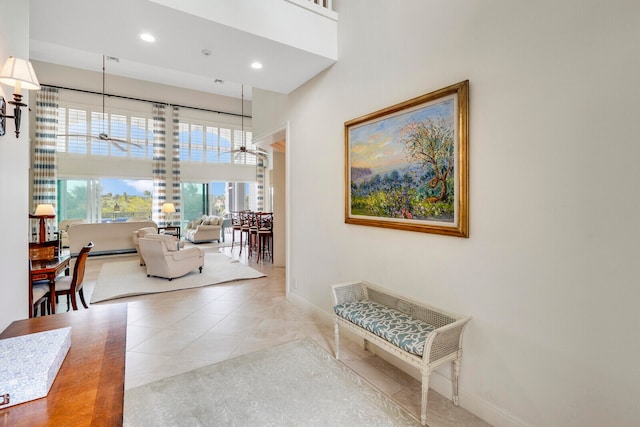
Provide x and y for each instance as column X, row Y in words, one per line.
column 204, row 229
column 108, row 238
column 63, row 227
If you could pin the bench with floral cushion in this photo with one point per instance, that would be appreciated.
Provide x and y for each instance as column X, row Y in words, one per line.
column 421, row 335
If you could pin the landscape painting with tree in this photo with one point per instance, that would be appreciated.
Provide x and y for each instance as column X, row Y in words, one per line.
column 407, row 165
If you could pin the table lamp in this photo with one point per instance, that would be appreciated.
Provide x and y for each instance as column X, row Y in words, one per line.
column 169, row 208
column 43, row 212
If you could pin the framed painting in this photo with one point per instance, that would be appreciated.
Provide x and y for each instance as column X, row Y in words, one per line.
column 407, row 165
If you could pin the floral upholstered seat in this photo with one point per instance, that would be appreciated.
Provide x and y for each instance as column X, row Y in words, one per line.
column 406, row 332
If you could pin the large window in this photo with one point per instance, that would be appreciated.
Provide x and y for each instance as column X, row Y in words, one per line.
column 104, row 200
column 214, row 198
column 79, row 129
column 214, row 144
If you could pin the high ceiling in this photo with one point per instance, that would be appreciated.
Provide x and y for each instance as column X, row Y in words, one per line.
column 78, row 33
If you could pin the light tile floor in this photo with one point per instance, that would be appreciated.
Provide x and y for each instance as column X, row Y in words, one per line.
column 175, row 332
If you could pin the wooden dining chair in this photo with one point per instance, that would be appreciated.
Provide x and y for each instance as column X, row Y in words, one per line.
column 72, row 285
column 38, row 296
column 44, row 250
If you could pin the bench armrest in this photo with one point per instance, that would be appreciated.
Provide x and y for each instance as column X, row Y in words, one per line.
column 348, row 292
column 444, row 341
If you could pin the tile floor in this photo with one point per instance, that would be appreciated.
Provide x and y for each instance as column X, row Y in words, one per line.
column 174, row 332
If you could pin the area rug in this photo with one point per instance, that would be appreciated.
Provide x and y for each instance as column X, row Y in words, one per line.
column 128, row 278
column 293, row 384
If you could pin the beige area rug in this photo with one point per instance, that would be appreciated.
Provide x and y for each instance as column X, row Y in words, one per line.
column 293, row 384
column 128, row 278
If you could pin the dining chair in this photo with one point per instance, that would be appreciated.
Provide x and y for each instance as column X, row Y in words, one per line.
column 38, row 296
column 44, row 250
column 72, row 285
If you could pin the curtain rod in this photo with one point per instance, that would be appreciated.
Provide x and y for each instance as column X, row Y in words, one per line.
column 145, row 100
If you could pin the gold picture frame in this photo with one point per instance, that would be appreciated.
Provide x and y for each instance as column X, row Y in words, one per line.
column 407, row 166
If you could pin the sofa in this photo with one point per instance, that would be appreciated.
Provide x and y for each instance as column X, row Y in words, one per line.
column 204, row 229
column 63, row 227
column 108, row 237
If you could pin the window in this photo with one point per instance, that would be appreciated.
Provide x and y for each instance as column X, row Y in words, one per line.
column 78, row 131
column 213, row 198
column 104, row 200
column 214, row 144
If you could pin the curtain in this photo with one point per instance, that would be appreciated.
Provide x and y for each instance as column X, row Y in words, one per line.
column 44, row 148
column 159, row 171
column 260, row 171
column 175, row 162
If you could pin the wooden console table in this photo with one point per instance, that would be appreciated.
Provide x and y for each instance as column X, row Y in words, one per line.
column 89, row 388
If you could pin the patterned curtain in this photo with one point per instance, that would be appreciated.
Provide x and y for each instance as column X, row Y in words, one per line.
column 159, row 163
column 44, row 156
column 260, row 171
column 175, row 162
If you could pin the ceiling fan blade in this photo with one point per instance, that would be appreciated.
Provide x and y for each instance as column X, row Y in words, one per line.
column 124, row 141
column 118, row 145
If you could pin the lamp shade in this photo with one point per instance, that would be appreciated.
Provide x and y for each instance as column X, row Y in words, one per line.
column 19, row 73
column 45, row 210
column 168, row 208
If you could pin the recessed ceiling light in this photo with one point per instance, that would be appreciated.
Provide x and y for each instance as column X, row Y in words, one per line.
column 147, row 37
column 256, row 65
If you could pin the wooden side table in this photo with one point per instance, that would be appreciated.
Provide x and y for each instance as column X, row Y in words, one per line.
column 172, row 230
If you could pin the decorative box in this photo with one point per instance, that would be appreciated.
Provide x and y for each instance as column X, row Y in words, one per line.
column 30, row 363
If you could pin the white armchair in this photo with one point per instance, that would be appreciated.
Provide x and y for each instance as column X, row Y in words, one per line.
column 164, row 259
column 152, row 233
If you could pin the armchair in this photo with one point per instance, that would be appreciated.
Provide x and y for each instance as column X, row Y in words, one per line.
column 152, row 233
column 163, row 259
column 205, row 229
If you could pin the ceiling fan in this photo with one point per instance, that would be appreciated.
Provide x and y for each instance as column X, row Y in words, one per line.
column 104, row 136
column 243, row 145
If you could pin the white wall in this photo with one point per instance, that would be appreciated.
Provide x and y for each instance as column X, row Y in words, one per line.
column 14, row 172
column 549, row 271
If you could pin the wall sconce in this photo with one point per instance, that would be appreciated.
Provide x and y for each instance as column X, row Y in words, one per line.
column 20, row 74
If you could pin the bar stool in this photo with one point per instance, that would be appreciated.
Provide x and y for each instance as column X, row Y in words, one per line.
column 265, row 235
column 245, row 227
column 236, row 225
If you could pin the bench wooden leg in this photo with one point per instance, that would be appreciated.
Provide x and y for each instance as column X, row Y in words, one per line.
column 425, row 395
column 455, row 373
column 336, row 331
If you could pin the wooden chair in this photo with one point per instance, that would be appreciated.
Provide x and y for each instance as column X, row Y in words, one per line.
column 246, row 219
column 236, row 225
column 38, row 296
column 71, row 285
column 265, row 235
